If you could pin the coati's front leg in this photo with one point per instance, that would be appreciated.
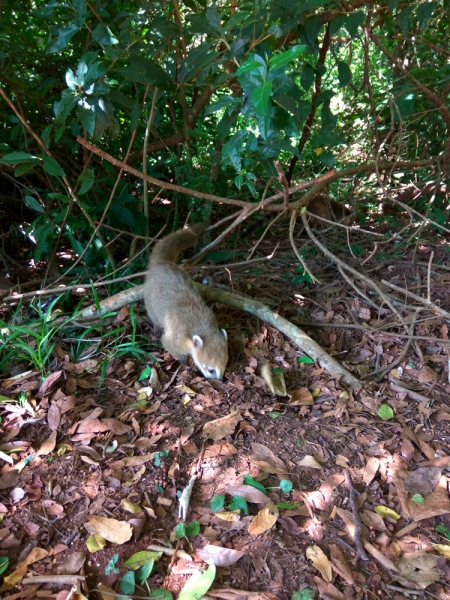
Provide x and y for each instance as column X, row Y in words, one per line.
column 170, row 345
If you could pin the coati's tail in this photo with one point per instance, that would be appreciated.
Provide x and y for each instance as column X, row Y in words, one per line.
column 170, row 247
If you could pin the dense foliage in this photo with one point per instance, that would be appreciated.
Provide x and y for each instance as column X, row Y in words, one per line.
column 212, row 95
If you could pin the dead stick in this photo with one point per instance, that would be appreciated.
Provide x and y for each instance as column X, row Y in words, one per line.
column 360, row 552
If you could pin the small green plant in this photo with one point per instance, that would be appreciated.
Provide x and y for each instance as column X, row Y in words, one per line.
column 443, row 530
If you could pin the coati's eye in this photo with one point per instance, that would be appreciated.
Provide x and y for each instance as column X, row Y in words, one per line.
column 211, row 371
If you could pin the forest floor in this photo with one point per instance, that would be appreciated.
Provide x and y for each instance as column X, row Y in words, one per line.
column 93, row 461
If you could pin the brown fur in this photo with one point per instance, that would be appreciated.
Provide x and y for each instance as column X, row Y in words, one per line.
column 322, row 206
column 173, row 304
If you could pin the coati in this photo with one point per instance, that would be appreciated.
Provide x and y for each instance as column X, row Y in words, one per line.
column 322, row 206
column 173, row 304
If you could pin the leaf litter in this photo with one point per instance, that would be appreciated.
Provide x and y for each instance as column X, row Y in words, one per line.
column 92, row 465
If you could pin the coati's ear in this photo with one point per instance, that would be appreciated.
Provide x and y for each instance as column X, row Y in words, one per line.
column 224, row 333
column 198, row 342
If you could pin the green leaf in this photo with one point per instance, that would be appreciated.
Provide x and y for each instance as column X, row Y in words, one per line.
column 144, row 70
column 213, row 18
column 4, row 564
column 180, row 531
column 140, row 558
column 247, row 66
column 127, row 583
column 336, row 24
column 161, row 594
column 103, row 35
column 305, row 360
column 64, row 36
column 239, row 503
column 86, row 180
column 52, row 167
column 344, row 74
column 197, row 585
column 86, row 113
column 250, row 481
column 145, row 374
column 289, row 505
column 217, row 502
column 16, row 158
column 111, row 567
column 145, row 571
column 274, row 414
column 260, row 97
column 280, row 60
column 192, row 528
column 385, row 412
column 25, row 168
column 305, row 594
column 197, row 59
column 33, row 203
column 418, row 498
column 307, row 77
column 354, row 20
column 327, row 158
column 443, row 530
column 286, row 486
column 424, row 12
column 313, row 26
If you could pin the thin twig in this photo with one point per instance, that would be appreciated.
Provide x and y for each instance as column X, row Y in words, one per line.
column 360, row 552
column 424, row 301
column 429, row 277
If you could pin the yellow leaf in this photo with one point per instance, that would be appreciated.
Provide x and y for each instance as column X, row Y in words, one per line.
column 264, row 520
column 384, row 512
column 315, row 393
column 95, row 542
column 229, row 516
column 130, row 506
column 35, row 555
column 112, row 530
column 309, row 461
column 442, row 549
column 320, row 561
column 12, row 580
column 275, row 381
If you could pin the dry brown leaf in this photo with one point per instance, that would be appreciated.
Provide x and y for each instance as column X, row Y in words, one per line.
column 290, row 525
column 228, row 516
column 300, row 397
column 347, row 517
column 370, row 470
column 264, row 520
column 219, row 428
column 137, row 461
column 117, row 532
column 268, row 459
column 342, row 460
column 248, row 492
column 320, row 561
column 186, row 433
column 48, row 445
column 436, row 503
column 427, row 375
column 372, row 519
column 35, row 555
column 423, row 480
column 328, row 591
column 92, row 426
column 274, row 380
column 340, row 564
column 72, row 563
column 117, row 427
column 310, row 462
column 109, row 592
column 379, row 556
column 419, row 568
column 223, row 557
column 48, row 382
column 9, row 479
column 52, row 508
column 53, row 416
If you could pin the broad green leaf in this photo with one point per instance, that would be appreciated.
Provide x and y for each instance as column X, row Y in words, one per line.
column 198, row 584
column 289, row 505
column 95, row 542
column 87, row 117
column 327, row 158
column 145, row 571
column 16, row 158
column 305, row 594
column 354, row 20
column 197, row 59
column 344, row 74
column 180, row 531
column 25, row 167
column 139, row 558
column 249, row 65
column 145, row 374
column 313, row 26
column 286, row 486
column 103, row 35
column 239, row 503
column 4, row 564
column 385, row 412
column 424, row 12
column 305, row 360
column 250, row 481
column 280, row 60
column 127, row 583
column 307, row 77
column 213, row 17
column 192, row 528
column 336, row 24
column 161, row 594
column 217, row 502
column 33, row 203
column 86, row 180
column 64, row 36
column 261, row 96
column 52, row 167
column 144, row 70
column 418, row 498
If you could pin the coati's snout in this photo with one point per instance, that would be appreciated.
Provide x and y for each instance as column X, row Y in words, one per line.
column 211, row 354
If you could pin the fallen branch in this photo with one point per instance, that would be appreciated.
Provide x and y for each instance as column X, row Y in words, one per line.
column 299, row 337
column 360, row 552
